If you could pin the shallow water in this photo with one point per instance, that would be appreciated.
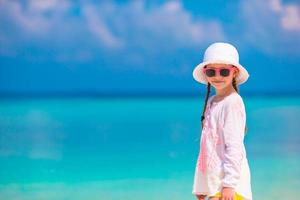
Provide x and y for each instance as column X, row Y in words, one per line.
column 135, row 148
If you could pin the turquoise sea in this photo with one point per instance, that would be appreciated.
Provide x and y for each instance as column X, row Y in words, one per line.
column 135, row 148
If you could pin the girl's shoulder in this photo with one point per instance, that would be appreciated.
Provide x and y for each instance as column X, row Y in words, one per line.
column 233, row 106
column 234, row 100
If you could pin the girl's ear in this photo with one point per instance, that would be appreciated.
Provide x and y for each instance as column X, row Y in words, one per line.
column 236, row 71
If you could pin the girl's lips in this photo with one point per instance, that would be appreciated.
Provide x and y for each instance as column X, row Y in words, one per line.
column 218, row 81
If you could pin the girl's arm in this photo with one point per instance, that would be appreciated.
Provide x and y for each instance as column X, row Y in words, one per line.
column 233, row 133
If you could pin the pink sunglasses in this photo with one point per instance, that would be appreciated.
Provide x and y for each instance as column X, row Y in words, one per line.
column 224, row 71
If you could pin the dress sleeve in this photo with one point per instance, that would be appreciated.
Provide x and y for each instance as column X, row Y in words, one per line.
column 233, row 134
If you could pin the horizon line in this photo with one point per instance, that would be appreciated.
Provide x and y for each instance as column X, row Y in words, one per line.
column 127, row 94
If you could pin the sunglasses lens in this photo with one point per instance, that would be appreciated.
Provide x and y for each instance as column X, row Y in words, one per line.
column 210, row 72
column 224, row 72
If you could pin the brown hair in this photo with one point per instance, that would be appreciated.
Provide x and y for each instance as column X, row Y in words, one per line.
column 235, row 86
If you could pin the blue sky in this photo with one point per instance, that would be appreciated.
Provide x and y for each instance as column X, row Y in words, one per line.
column 143, row 46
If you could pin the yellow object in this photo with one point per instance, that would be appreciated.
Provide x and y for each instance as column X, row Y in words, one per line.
column 236, row 196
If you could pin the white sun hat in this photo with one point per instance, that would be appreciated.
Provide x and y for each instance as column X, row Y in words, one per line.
column 220, row 53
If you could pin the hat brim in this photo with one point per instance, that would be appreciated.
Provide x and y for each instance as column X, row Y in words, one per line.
column 199, row 76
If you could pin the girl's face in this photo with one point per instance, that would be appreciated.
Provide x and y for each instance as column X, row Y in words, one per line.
column 218, row 81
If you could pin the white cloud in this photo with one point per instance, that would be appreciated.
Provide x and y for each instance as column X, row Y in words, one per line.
column 123, row 36
column 36, row 16
column 100, row 28
column 289, row 15
column 291, row 18
column 275, row 5
column 27, row 20
column 272, row 26
column 168, row 23
column 48, row 5
column 113, row 25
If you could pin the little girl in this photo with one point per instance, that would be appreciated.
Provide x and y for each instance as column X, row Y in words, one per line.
column 222, row 170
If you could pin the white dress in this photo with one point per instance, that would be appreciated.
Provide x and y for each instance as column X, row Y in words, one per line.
column 222, row 157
